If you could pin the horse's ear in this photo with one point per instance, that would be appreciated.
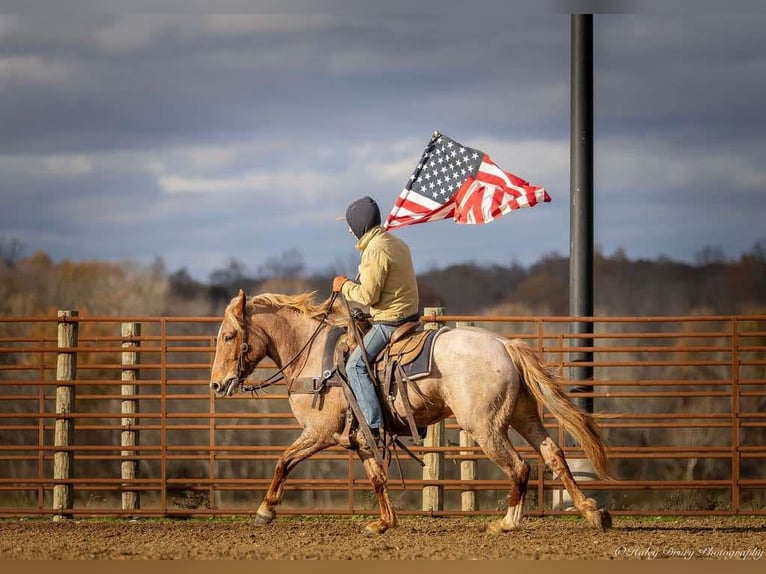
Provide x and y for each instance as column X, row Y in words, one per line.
column 239, row 307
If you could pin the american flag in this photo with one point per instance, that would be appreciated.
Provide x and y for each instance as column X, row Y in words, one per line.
column 453, row 180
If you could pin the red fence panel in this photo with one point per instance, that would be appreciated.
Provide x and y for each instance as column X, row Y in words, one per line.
column 680, row 400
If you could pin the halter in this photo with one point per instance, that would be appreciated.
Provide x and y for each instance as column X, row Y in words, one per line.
column 280, row 374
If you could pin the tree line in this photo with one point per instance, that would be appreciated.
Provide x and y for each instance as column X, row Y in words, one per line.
column 712, row 284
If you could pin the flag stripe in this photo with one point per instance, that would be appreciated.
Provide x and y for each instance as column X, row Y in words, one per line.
column 416, row 202
column 406, row 217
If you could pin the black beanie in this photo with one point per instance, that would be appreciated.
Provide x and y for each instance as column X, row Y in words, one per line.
column 363, row 215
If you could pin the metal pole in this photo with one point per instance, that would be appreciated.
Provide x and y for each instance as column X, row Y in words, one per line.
column 581, row 200
column 581, row 229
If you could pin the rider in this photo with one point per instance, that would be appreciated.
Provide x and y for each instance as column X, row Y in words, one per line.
column 388, row 286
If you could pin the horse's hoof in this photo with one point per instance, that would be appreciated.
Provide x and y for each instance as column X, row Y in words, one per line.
column 263, row 519
column 600, row 519
column 497, row 527
column 377, row 527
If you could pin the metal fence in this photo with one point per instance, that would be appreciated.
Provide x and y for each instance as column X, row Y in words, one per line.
column 113, row 416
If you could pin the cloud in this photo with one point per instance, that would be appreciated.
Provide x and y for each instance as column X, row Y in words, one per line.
column 655, row 165
column 31, row 70
column 45, row 167
column 692, row 80
column 8, row 25
column 213, row 159
column 277, row 183
column 68, row 165
column 124, row 34
column 132, row 32
column 245, row 24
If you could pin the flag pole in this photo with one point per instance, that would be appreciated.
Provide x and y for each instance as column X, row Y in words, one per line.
column 416, row 172
column 421, row 164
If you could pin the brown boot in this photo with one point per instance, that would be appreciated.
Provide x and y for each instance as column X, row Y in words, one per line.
column 361, row 439
column 354, row 439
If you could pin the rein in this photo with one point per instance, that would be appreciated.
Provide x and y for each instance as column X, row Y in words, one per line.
column 280, row 374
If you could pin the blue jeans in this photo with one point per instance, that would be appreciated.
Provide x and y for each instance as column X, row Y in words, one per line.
column 361, row 383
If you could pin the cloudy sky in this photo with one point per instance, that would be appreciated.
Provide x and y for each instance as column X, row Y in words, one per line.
column 198, row 138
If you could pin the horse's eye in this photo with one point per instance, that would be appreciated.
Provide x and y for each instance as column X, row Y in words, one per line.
column 228, row 338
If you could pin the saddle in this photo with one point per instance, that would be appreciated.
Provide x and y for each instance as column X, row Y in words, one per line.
column 406, row 346
column 407, row 357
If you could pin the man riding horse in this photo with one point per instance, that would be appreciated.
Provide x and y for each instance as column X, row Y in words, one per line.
column 387, row 285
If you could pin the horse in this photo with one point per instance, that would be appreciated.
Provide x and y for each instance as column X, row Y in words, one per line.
column 486, row 382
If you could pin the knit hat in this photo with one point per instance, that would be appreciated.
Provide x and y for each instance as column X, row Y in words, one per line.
column 362, row 215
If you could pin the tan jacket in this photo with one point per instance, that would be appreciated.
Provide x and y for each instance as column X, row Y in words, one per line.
column 386, row 275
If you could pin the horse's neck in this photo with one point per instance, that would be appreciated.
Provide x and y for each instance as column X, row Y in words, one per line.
column 288, row 333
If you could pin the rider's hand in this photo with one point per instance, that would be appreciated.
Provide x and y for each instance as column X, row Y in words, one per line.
column 338, row 282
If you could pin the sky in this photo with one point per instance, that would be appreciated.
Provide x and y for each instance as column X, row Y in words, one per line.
column 199, row 138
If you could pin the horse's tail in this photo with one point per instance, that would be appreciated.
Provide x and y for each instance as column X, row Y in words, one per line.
column 547, row 391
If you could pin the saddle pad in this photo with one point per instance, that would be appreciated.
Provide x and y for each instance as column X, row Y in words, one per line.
column 417, row 363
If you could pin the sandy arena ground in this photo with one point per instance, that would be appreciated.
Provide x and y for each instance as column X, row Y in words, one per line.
column 416, row 538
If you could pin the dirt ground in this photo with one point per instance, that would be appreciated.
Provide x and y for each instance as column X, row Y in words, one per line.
column 416, row 538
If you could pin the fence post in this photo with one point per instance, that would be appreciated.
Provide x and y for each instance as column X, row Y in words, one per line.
column 467, row 467
column 131, row 499
column 433, row 496
column 66, row 371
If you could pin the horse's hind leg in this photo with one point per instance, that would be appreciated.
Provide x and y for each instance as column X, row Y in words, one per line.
column 304, row 446
column 498, row 447
column 526, row 422
column 379, row 479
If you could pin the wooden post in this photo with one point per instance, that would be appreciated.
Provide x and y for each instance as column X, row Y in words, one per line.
column 433, row 496
column 129, row 438
column 467, row 467
column 66, row 371
column 467, row 473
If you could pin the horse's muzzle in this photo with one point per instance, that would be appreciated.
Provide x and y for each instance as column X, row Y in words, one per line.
column 226, row 388
column 216, row 387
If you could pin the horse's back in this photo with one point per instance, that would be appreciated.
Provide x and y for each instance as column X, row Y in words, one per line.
column 470, row 342
column 465, row 355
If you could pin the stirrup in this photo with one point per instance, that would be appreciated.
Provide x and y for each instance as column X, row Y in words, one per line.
column 354, row 440
column 346, row 439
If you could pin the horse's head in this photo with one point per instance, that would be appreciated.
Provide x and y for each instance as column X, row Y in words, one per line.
column 238, row 349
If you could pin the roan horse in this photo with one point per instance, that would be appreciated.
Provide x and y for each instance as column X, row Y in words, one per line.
column 487, row 383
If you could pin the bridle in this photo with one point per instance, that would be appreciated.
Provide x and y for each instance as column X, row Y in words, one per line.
column 245, row 347
column 280, row 374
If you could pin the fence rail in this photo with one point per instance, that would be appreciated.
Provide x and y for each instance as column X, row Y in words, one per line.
column 113, row 416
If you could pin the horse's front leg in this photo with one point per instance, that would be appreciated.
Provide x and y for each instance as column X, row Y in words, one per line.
column 307, row 444
column 379, row 479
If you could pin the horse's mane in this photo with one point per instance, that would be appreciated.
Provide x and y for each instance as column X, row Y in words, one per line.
column 303, row 304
